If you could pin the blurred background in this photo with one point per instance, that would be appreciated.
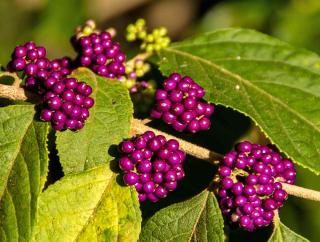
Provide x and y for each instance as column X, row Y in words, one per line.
column 51, row 24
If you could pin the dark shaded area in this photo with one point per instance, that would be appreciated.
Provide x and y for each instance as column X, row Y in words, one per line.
column 55, row 169
column 198, row 177
column 227, row 127
column 260, row 235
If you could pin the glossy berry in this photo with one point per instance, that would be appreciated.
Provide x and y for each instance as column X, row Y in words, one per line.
column 130, row 178
column 250, row 189
column 153, row 164
column 66, row 100
column 180, row 105
column 101, row 55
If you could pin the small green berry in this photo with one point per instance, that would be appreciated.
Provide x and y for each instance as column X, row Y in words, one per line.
column 130, row 83
column 87, row 30
column 131, row 37
column 142, row 35
column 140, row 22
column 149, row 48
column 149, row 38
column 163, row 31
column 131, row 28
column 139, row 73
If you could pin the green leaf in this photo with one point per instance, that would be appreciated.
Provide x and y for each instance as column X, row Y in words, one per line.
column 108, row 124
column 197, row 219
column 88, row 206
column 23, row 170
column 282, row 233
column 275, row 84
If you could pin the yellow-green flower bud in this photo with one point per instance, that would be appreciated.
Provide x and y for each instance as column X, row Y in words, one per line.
column 131, row 37
column 149, row 38
column 163, row 31
column 131, row 28
column 130, row 83
column 87, row 30
column 146, row 67
column 157, row 47
column 140, row 22
column 139, row 73
column 149, row 48
column 142, row 35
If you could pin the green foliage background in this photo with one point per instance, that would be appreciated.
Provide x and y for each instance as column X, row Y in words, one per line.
column 52, row 23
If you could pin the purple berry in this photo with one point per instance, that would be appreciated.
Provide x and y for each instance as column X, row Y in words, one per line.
column 136, row 156
column 280, row 195
column 158, row 177
column 148, row 187
column 145, row 166
column 224, row 171
column 46, row 115
column 226, row 183
column 20, row 52
column 160, row 192
column 130, row 178
column 58, row 117
column 71, row 124
column 154, row 144
column 54, row 103
column 145, row 177
column 88, row 102
column 58, row 87
column 19, row 64
column 164, row 105
column 190, row 103
column 193, row 126
column 126, row 164
column 168, row 117
column 170, row 186
column 169, row 84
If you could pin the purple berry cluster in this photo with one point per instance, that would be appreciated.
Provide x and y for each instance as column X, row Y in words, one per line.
column 152, row 164
column 98, row 52
column 249, row 188
column 31, row 60
column 67, row 103
column 180, row 104
column 66, row 100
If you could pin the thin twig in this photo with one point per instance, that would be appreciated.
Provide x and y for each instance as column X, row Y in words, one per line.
column 17, row 81
column 302, row 192
column 15, row 92
column 138, row 127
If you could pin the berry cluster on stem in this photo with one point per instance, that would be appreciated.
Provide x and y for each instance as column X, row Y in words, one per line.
column 65, row 100
column 138, row 126
column 249, row 184
column 97, row 51
column 180, row 104
column 153, row 164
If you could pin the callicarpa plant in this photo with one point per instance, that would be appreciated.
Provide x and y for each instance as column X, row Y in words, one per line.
column 80, row 161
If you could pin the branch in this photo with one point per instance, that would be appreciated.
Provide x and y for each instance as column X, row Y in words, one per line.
column 138, row 127
column 302, row 192
column 15, row 92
